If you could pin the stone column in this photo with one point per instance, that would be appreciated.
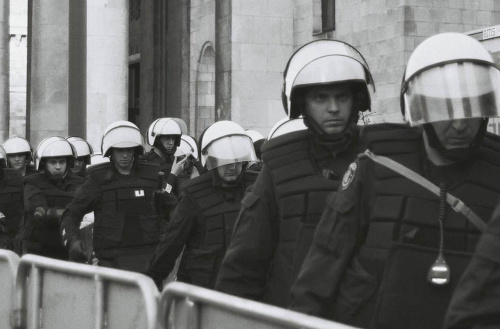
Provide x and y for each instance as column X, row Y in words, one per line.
column 47, row 91
column 4, row 70
column 107, row 66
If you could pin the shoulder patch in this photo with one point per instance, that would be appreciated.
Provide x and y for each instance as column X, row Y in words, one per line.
column 349, row 175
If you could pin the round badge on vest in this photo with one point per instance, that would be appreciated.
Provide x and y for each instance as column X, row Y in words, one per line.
column 349, row 175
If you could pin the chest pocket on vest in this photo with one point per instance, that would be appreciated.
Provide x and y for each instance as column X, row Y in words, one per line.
column 329, row 234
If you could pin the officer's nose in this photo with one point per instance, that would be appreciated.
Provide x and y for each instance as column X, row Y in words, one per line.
column 459, row 125
column 332, row 105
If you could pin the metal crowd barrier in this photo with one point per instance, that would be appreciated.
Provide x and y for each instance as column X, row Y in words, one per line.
column 187, row 306
column 8, row 268
column 57, row 294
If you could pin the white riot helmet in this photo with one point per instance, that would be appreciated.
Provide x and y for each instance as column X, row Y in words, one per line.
column 254, row 135
column 450, row 76
column 54, row 147
column 226, row 142
column 15, row 145
column 82, row 148
column 3, row 158
column 121, row 134
column 324, row 62
column 285, row 126
column 164, row 126
column 188, row 147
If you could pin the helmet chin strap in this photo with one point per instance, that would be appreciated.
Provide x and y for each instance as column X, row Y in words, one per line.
column 338, row 142
column 456, row 154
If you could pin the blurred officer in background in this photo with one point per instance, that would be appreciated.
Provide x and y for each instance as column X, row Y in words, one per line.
column 46, row 194
column 475, row 301
column 19, row 154
column 326, row 82
column 188, row 148
column 120, row 192
column 84, row 152
column 208, row 205
column 389, row 248
column 258, row 141
column 164, row 135
column 11, row 204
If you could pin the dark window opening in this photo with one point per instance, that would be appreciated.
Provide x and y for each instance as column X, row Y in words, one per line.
column 134, row 92
column 328, row 15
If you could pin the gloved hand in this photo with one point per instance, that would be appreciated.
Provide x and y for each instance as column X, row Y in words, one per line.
column 39, row 215
column 163, row 202
column 53, row 215
column 77, row 251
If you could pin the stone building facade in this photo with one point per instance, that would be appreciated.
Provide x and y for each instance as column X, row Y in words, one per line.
column 201, row 60
column 224, row 59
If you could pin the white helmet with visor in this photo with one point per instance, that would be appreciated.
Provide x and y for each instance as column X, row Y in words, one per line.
column 450, row 76
column 226, row 142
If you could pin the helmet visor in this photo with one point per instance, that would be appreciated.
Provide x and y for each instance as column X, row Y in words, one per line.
column 230, row 149
column 453, row 91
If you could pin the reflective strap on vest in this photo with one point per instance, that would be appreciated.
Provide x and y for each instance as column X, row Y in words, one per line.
column 454, row 202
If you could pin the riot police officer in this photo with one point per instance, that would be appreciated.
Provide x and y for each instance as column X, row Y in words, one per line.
column 191, row 168
column 208, row 205
column 120, row 192
column 46, row 194
column 84, row 152
column 11, row 204
column 326, row 82
column 258, row 141
column 392, row 243
column 19, row 154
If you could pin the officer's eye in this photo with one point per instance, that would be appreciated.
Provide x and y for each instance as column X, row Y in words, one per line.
column 342, row 97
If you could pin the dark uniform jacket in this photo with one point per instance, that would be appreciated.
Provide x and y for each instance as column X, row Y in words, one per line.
column 126, row 228
column 379, row 234
column 11, row 207
column 476, row 301
column 43, row 238
column 203, row 222
column 278, row 218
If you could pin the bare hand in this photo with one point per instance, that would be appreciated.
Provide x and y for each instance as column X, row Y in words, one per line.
column 178, row 166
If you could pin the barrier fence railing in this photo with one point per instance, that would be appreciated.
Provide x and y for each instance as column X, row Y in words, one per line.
column 8, row 268
column 185, row 306
column 57, row 294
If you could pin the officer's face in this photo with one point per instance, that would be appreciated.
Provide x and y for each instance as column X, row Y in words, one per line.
column 123, row 158
column 329, row 107
column 457, row 133
column 56, row 167
column 79, row 164
column 168, row 142
column 230, row 172
column 18, row 160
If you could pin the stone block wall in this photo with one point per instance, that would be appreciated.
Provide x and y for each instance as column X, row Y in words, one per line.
column 201, row 65
column 387, row 31
column 18, row 66
column 262, row 42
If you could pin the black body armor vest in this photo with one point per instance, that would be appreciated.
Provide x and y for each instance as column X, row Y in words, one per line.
column 208, row 243
column 48, row 235
column 403, row 237
column 301, row 190
column 11, row 200
column 126, row 228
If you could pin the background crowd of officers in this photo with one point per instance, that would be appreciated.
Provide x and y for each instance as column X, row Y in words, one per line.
column 403, row 235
